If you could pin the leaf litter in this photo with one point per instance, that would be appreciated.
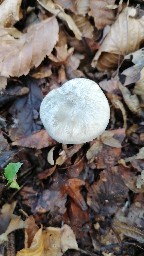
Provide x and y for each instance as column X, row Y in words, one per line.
column 73, row 199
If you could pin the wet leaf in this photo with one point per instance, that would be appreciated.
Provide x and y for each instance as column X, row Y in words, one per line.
column 107, row 194
column 25, row 111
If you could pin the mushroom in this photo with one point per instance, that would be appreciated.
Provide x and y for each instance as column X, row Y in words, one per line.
column 75, row 113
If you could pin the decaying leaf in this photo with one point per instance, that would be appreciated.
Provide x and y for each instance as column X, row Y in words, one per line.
column 9, row 222
column 18, row 56
column 107, row 194
column 37, row 140
column 51, row 242
column 125, row 36
column 139, row 88
column 69, row 4
column 9, row 12
column 58, row 11
column 102, row 14
column 129, row 231
column 72, row 188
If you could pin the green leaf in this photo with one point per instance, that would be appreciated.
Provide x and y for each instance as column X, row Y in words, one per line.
column 14, row 184
column 11, row 170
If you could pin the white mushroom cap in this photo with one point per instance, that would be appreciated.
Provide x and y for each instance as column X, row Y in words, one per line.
column 75, row 113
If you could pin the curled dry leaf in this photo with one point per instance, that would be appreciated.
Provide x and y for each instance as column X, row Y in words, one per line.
column 58, row 11
column 51, row 242
column 82, row 7
column 117, row 104
column 9, row 12
column 69, row 4
column 129, row 231
column 18, row 56
column 9, row 222
column 84, row 25
column 125, row 36
column 62, row 54
column 131, row 101
column 102, row 14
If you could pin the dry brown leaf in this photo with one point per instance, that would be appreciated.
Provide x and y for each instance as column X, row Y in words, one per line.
column 129, row 231
column 82, row 7
column 62, row 54
column 66, row 4
column 102, row 14
column 58, row 11
column 30, row 230
column 9, row 222
column 117, row 104
column 9, row 12
column 139, row 87
column 108, row 139
column 84, row 26
column 38, row 140
column 125, row 36
column 131, row 101
column 51, row 242
column 72, row 188
column 18, row 56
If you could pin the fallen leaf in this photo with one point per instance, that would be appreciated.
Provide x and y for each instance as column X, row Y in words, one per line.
column 30, row 230
column 3, row 82
column 125, row 36
column 37, row 140
column 3, row 143
column 51, row 242
column 18, row 56
column 132, row 101
column 72, row 188
column 25, row 112
column 129, row 231
column 62, row 54
column 82, row 7
column 9, row 222
column 69, row 4
column 58, row 11
column 9, row 12
column 102, row 14
column 107, row 194
column 84, row 26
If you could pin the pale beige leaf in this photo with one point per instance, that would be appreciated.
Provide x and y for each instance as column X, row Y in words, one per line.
column 66, row 4
column 102, row 14
column 125, row 36
column 3, row 82
column 82, row 7
column 139, row 87
column 62, row 53
column 18, row 56
column 68, row 240
column 132, row 101
column 108, row 139
column 9, row 12
column 51, row 242
column 117, row 104
column 58, row 11
column 84, row 25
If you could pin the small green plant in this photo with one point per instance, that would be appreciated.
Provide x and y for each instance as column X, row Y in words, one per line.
column 10, row 172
